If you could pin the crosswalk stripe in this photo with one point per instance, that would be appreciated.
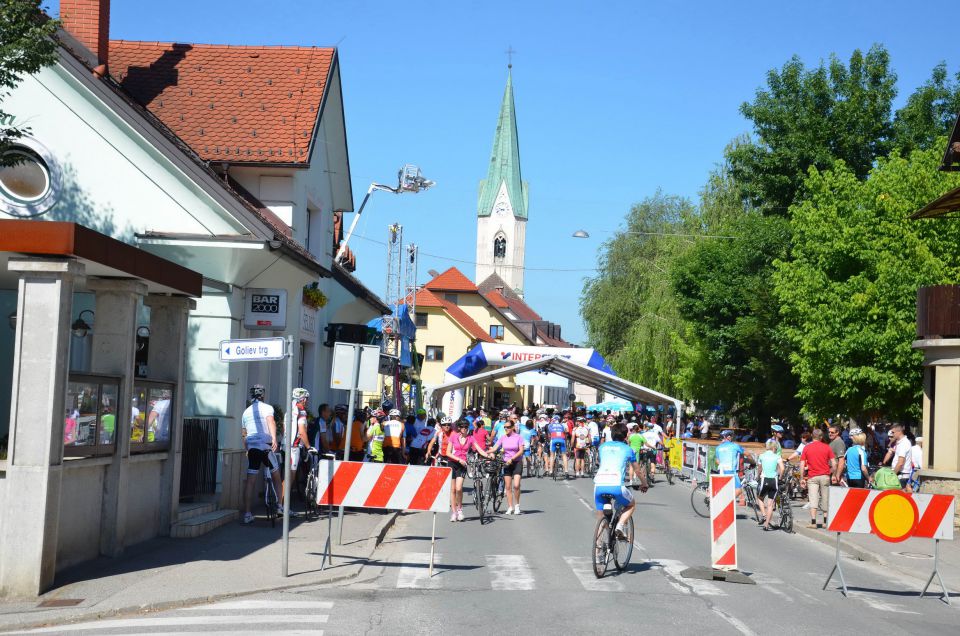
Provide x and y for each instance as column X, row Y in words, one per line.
column 674, row 568
column 254, row 604
column 583, row 568
column 509, row 572
column 415, row 572
column 170, row 621
column 260, row 632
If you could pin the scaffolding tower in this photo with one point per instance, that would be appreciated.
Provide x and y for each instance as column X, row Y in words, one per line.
column 394, row 295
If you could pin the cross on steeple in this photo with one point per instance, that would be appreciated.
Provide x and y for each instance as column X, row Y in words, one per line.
column 510, row 51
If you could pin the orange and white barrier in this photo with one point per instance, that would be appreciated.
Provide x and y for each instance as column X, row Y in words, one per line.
column 723, row 523
column 389, row 486
column 892, row 515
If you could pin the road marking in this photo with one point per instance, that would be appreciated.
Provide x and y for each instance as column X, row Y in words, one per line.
column 585, row 504
column 735, row 622
column 878, row 604
column 583, row 568
column 415, row 572
column 673, row 569
column 170, row 621
column 260, row 632
column 771, row 584
column 509, row 572
column 260, row 605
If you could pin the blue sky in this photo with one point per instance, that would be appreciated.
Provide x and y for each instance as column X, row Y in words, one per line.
column 614, row 100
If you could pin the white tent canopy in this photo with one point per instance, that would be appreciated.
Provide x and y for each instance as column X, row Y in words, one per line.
column 575, row 371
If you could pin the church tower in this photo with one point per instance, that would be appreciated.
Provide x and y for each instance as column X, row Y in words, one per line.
column 502, row 204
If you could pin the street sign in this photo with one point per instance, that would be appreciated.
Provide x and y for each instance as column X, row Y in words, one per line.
column 252, row 350
column 345, row 373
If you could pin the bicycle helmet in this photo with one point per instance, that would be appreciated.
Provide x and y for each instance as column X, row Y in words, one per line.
column 726, row 433
column 300, row 394
column 394, row 412
column 776, row 428
column 257, row 392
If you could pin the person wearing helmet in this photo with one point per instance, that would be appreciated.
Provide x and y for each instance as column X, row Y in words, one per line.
column 299, row 437
column 776, row 435
column 260, row 441
column 727, row 457
column 373, row 435
column 394, row 441
column 435, row 448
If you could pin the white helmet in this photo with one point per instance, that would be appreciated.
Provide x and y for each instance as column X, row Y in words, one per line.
column 394, row 412
column 300, row 394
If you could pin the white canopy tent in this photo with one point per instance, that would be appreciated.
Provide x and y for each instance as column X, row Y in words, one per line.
column 575, row 371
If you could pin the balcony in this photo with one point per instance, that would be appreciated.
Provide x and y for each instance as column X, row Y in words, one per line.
column 938, row 312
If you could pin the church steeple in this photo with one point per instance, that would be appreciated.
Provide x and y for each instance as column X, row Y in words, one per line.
column 504, row 167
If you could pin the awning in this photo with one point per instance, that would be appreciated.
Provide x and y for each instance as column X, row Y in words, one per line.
column 575, row 371
column 949, row 202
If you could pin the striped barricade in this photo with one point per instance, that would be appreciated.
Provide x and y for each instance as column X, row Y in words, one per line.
column 723, row 523
column 389, row 486
column 893, row 516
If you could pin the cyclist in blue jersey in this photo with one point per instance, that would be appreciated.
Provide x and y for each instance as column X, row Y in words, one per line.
column 615, row 456
column 727, row 457
column 557, row 434
column 530, row 439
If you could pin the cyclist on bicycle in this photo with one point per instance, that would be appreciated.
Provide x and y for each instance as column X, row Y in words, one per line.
column 727, row 458
column 558, row 443
column 615, row 456
column 260, row 440
column 531, row 444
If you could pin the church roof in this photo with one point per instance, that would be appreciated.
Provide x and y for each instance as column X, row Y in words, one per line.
column 496, row 286
column 504, row 162
column 451, row 280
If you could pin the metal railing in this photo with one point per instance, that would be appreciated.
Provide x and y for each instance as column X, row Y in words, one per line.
column 198, row 467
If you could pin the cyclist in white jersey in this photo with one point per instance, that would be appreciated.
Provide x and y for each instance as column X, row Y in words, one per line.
column 260, row 440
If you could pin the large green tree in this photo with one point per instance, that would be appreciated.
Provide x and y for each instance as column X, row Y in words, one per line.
column 847, row 289
column 26, row 46
column 929, row 113
column 814, row 117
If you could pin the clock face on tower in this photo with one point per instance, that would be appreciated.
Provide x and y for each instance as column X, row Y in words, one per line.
column 501, row 208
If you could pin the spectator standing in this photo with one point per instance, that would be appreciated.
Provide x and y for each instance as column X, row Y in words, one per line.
column 900, row 455
column 853, row 465
column 817, row 464
column 704, row 428
column 322, row 442
column 916, row 457
column 839, row 449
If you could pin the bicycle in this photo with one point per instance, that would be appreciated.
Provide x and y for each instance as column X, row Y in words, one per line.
column 606, row 545
column 664, row 463
column 557, row 471
column 646, row 465
column 270, row 497
column 700, row 498
column 478, row 495
column 494, row 470
column 310, row 488
column 750, row 493
column 590, row 461
column 784, row 511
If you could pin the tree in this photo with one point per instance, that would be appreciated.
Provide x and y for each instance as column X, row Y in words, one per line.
column 929, row 113
column 723, row 291
column 26, row 46
column 848, row 287
column 807, row 118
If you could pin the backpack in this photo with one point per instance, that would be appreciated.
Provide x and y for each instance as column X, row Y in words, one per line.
column 886, row 479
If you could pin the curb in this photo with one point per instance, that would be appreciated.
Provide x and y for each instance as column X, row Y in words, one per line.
column 379, row 534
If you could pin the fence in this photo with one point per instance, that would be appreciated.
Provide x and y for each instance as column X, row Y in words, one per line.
column 198, row 467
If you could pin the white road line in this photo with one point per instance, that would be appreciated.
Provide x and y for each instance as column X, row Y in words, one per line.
column 735, row 622
column 415, row 572
column 261, row 605
column 878, row 604
column 585, row 504
column 771, row 584
column 509, row 572
column 260, row 632
column 170, row 621
column 583, row 568
column 674, row 568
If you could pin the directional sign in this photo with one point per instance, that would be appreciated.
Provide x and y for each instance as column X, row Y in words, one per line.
column 252, row 350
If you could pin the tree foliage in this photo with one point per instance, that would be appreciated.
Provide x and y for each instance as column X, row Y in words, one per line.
column 929, row 112
column 814, row 117
column 848, row 287
column 26, row 46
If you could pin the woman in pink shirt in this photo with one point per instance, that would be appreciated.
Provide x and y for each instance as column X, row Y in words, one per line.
column 512, row 444
column 458, row 445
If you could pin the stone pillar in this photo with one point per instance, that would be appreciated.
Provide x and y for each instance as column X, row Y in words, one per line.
column 167, row 356
column 28, row 532
column 114, row 350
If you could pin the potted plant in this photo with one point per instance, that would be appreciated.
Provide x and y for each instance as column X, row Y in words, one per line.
column 313, row 297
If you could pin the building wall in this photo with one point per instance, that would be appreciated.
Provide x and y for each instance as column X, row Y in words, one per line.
column 441, row 330
column 81, row 496
column 515, row 231
column 477, row 307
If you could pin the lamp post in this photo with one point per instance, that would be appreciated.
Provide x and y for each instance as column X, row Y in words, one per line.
column 409, row 179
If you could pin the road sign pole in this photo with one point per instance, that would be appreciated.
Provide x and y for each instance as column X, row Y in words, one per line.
column 287, row 429
column 433, row 543
column 358, row 350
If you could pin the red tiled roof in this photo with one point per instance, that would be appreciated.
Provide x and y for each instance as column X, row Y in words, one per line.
column 451, row 280
column 522, row 310
column 551, row 342
column 229, row 103
column 426, row 298
column 496, row 299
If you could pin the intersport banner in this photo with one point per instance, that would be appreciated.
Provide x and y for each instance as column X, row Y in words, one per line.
column 488, row 354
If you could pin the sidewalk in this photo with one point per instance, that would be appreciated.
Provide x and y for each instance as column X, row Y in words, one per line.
column 912, row 558
column 231, row 561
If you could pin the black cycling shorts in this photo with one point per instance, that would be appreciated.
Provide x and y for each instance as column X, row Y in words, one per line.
column 257, row 457
column 768, row 487
column 459, row 471
column 513, row 468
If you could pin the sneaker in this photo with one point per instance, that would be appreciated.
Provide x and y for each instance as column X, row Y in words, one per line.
column 619, row 533
column 509, row 511
column 812, row 525
column 516, row 510
column 453, row 516
column 247, row 518
column 459, row 514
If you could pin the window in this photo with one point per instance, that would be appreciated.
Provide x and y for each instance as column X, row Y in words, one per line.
column 450, row 298
column 496, row 332
column 29, row 180
column 499, row 247
column 421, row 319
column 434, row 353
column 90, row 421
column 151, row 416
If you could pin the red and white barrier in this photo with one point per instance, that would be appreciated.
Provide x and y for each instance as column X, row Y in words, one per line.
column 723, row 523
column 390, row 486
column 892, row 515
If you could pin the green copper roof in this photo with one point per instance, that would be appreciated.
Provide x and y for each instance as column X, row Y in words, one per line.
column 504, row 162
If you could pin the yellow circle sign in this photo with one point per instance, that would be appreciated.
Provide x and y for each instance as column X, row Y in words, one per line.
column 893, row 516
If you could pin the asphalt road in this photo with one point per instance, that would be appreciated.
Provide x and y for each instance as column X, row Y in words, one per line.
column 531, row 574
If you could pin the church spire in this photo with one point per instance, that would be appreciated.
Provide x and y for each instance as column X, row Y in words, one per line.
column 504, row 170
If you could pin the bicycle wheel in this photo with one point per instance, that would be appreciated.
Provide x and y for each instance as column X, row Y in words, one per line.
column 601, row 547
column 700, row 500
column 478, row 494
column 622, row 549
column 538, row 467
column 556, row 468
column 786, row 514
column 667, row 469
column 497, row 486
column 310, row 494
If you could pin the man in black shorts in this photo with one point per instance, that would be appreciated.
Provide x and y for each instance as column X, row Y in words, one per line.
column 260, row 440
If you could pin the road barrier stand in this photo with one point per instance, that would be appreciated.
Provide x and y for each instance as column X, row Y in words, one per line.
column 894, row 516
column 723, row 535
column 386, row 487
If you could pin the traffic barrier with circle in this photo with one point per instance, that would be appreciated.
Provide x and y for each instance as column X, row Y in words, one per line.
column 894, row 516
column 723, row 523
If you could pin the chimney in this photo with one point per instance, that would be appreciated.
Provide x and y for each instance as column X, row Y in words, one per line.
column 89, row 22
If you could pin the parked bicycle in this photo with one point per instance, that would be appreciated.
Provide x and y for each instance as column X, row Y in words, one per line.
column 700, row 498
column 271, row 499
column 606, row 545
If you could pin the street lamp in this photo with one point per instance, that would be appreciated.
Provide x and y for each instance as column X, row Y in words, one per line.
column 80, row 327
column 409, row 180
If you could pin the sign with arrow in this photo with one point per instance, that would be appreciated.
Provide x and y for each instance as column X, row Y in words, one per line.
column 251, row 350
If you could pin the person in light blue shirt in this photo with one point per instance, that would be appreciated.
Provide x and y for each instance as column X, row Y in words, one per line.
column 853, row 464
column 727, row 457
column 529, row 434
column 615, row 456
column 771, row 469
